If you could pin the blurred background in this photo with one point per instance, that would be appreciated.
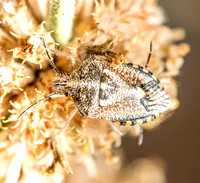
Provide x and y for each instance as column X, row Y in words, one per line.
column 170, row 153
column 177, row 140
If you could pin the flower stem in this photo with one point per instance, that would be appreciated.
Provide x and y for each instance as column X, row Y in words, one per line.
column 60, row 19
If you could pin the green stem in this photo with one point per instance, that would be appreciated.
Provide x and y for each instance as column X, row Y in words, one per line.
column 60, row 19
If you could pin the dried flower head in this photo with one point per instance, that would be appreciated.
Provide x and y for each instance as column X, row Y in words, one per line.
column 53, row 135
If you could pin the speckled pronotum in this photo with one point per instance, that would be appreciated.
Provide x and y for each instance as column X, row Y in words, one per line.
column 127, row 94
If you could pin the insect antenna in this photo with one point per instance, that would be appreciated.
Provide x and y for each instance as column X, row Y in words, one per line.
column 50, row 57
column 41, row 100
column 149, row 56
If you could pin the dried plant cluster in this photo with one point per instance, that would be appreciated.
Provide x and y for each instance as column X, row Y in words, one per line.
column 45, row 139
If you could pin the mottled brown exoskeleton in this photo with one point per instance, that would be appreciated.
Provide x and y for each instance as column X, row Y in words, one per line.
column 126, row 94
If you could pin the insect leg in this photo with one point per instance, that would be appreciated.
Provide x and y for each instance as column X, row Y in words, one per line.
column 140, row 138
column 115, row 128
column 65, row 125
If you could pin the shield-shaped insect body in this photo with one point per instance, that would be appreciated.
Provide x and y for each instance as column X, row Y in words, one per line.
column 127, row 94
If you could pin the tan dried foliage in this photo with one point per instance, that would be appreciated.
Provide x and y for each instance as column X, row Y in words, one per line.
column 53, row 135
